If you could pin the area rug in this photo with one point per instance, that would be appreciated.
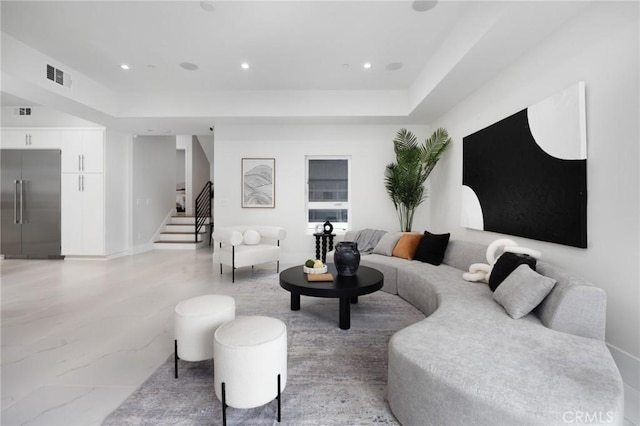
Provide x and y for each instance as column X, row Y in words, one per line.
column 335, row 377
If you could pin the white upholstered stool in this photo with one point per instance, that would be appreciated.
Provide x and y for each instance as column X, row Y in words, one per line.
column 195, row 322
column 250, row 366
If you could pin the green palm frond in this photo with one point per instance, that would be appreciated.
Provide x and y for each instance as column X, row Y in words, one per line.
column 404, row 180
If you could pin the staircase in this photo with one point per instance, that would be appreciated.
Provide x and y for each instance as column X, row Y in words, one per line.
column 179, row 234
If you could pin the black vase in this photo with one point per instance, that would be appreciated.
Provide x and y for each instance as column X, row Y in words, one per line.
column 347, row 258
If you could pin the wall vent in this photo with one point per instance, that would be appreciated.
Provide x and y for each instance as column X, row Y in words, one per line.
column 22, row 111
column 58, row 76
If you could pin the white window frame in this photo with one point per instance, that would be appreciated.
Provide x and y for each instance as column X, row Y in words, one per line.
column 342, row 205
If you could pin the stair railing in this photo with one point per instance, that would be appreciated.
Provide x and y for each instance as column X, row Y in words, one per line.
column 203, row 210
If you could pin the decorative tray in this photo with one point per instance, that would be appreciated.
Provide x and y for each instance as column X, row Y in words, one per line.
column 322, row 270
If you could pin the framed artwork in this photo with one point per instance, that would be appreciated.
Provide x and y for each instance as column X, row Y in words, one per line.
column 258, row 182
column 526, row 175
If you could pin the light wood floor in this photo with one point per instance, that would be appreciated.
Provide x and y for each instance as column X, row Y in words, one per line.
column 79, row 336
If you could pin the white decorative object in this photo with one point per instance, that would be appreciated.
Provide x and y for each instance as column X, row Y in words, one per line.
column 315, row 270
column 480, row 272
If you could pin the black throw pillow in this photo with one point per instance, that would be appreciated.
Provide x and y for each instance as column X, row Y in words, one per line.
column 431, row 248
column 506, row 264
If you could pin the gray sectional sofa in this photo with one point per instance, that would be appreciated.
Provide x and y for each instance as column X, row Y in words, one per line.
column 469, row 363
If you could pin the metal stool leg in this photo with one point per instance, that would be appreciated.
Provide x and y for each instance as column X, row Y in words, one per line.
column 175, row 358
column 224, row 405
column 278, row 398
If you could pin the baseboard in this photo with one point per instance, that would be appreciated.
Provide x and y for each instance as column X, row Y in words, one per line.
column 629, row 367
column 141, row 248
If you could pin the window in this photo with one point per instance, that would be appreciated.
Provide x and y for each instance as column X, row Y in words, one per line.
column 328, row 191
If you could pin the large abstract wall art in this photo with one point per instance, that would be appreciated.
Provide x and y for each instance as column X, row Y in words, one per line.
column 526, row 175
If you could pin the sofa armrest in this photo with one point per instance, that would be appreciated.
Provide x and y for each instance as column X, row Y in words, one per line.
column 272, row 232
column 228, row 236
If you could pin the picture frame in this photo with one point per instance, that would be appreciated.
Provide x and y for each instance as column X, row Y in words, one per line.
column 258, row 182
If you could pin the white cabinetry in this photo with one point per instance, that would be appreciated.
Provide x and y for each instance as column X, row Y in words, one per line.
column 82, row 151
column 30, row 138
column 83, row 205
column 83, row 214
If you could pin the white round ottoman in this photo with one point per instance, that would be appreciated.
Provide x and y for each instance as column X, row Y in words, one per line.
column 195, row 322
column 250, row 366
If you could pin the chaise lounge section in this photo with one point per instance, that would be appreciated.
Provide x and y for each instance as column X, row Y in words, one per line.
column 469, row 362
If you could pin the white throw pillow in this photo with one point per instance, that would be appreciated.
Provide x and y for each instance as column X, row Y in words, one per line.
column 251, row 237
column 522, row 291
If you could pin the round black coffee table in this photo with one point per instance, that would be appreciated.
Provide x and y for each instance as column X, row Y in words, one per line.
column 347, row 289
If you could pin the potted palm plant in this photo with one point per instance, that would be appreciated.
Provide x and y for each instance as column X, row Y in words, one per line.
column 404, row 179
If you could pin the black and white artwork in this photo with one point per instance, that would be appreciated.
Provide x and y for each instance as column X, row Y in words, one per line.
column 258, row 182
column 526, row 175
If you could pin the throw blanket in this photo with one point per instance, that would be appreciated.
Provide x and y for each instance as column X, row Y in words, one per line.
column 367, row 240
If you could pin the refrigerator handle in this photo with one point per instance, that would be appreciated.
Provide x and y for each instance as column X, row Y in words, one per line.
column 16, row 220
column 83, row 162
column 79, row 184
column 79, row 163
column 21, row 200
column 82, row 183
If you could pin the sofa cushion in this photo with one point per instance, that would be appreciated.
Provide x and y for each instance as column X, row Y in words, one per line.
column 387, row 243
column 251, row 237
column 431, row 248
column 407, row 244
column 522, row 291
column 506, row 264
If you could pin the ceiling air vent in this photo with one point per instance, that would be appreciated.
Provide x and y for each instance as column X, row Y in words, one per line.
column 58, row 76
column 22, row 111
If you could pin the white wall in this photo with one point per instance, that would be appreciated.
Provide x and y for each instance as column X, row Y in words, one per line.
column 181, row 173
column 117, row 192
column 369, row 146
column 153, row 186
column 200, row 168
column 600, row 48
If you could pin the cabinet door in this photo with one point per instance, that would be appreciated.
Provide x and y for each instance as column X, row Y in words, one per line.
column 71, row 214
column 92, row 214
column 14, row 139
column 43, row 139
column 93, row 151
column 71, row 143
column 82, row 151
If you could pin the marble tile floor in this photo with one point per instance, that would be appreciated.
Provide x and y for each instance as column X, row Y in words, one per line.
column 79, row 336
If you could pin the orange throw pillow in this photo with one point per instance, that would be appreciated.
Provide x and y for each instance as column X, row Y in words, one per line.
column 407, row 245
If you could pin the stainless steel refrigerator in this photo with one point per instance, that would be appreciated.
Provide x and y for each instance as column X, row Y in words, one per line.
column 30, row 204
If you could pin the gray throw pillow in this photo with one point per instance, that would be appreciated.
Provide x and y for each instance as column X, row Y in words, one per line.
column 522, row 291
column 387, row 243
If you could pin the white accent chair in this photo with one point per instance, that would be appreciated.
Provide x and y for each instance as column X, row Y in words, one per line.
column 195, row 322
column 248, row 246
column 250, row 366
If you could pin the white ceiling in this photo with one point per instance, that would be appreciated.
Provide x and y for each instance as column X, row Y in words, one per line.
column 292, row 47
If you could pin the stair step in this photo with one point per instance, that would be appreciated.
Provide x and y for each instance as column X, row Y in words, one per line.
column 178, row 245
column 179, row 236
column 185, row 229
column 185, row 220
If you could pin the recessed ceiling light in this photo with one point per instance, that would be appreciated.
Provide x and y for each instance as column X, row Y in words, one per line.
column 189, row 66
column 345, row 66
column 207, row 5
column 393, row 66
column 125, row 67
column 367, row 65
column 244, row 66
column 424, row 5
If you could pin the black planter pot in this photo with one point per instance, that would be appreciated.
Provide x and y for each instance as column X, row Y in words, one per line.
column 346, row 258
